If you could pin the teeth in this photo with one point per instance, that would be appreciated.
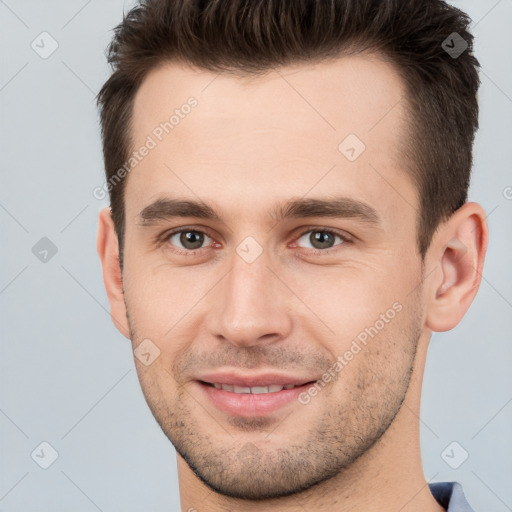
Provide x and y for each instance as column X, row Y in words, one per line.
column 241, row 389
column 255, row 390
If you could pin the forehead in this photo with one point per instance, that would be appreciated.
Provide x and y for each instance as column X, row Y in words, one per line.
column 278, row 134
column 352, row 92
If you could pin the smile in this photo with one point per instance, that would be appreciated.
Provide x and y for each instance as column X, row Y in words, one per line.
column 251, row 396
column 255, row 390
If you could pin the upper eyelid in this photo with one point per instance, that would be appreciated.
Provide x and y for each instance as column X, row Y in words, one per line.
column 342, row 234
column 162, row 237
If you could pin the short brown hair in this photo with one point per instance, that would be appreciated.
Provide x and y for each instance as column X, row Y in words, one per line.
column 254, row 36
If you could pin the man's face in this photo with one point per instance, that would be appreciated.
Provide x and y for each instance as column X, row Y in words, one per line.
column 265, row 296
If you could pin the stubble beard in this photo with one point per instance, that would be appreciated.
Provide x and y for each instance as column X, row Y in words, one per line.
column 346, row 430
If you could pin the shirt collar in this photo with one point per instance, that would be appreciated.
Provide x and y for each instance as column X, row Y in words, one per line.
column 450, row 496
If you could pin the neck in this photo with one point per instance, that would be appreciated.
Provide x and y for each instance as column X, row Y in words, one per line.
column 387, row 478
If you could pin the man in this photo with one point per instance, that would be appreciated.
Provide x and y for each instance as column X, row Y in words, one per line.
column 288, row 225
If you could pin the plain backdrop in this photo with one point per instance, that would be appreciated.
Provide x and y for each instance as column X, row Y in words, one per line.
column 67, row 377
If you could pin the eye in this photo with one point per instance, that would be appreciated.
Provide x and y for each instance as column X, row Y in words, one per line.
column 188, row 239
column 320, row 239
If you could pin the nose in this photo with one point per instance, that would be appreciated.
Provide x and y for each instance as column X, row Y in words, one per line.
column 252, row 306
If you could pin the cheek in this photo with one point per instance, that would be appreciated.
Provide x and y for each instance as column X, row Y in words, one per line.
column 158, row 295
column 158, row 388
column 348, row 299
column 377, row 361
column 163, row 306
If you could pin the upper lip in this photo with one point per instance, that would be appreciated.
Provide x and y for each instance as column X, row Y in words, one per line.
column 260, row 379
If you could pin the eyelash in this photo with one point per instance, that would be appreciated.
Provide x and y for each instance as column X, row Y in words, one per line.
column 191, row 252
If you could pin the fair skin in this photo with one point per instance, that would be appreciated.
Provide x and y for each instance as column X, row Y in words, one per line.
column 248, row 147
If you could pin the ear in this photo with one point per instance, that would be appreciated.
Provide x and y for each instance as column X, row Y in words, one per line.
column 108, row 250
column 457, row 252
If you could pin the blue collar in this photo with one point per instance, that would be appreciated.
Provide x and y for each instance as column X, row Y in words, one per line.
column 450, row 496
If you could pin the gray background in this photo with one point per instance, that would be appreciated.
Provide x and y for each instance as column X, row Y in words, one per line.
column 67, row 376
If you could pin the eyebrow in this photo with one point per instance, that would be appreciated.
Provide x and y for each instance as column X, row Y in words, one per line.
column 166, row 209
column 337, row 207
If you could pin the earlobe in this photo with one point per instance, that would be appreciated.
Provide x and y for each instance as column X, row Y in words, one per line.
column 457, row 252
column 108, row 251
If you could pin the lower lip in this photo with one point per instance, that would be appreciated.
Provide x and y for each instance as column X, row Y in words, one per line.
column 247, row 405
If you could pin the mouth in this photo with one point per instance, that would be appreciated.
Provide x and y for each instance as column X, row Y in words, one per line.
column 250, row 397
column 254, row 390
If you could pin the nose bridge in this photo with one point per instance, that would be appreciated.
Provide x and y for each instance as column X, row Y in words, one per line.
column 250, row 305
